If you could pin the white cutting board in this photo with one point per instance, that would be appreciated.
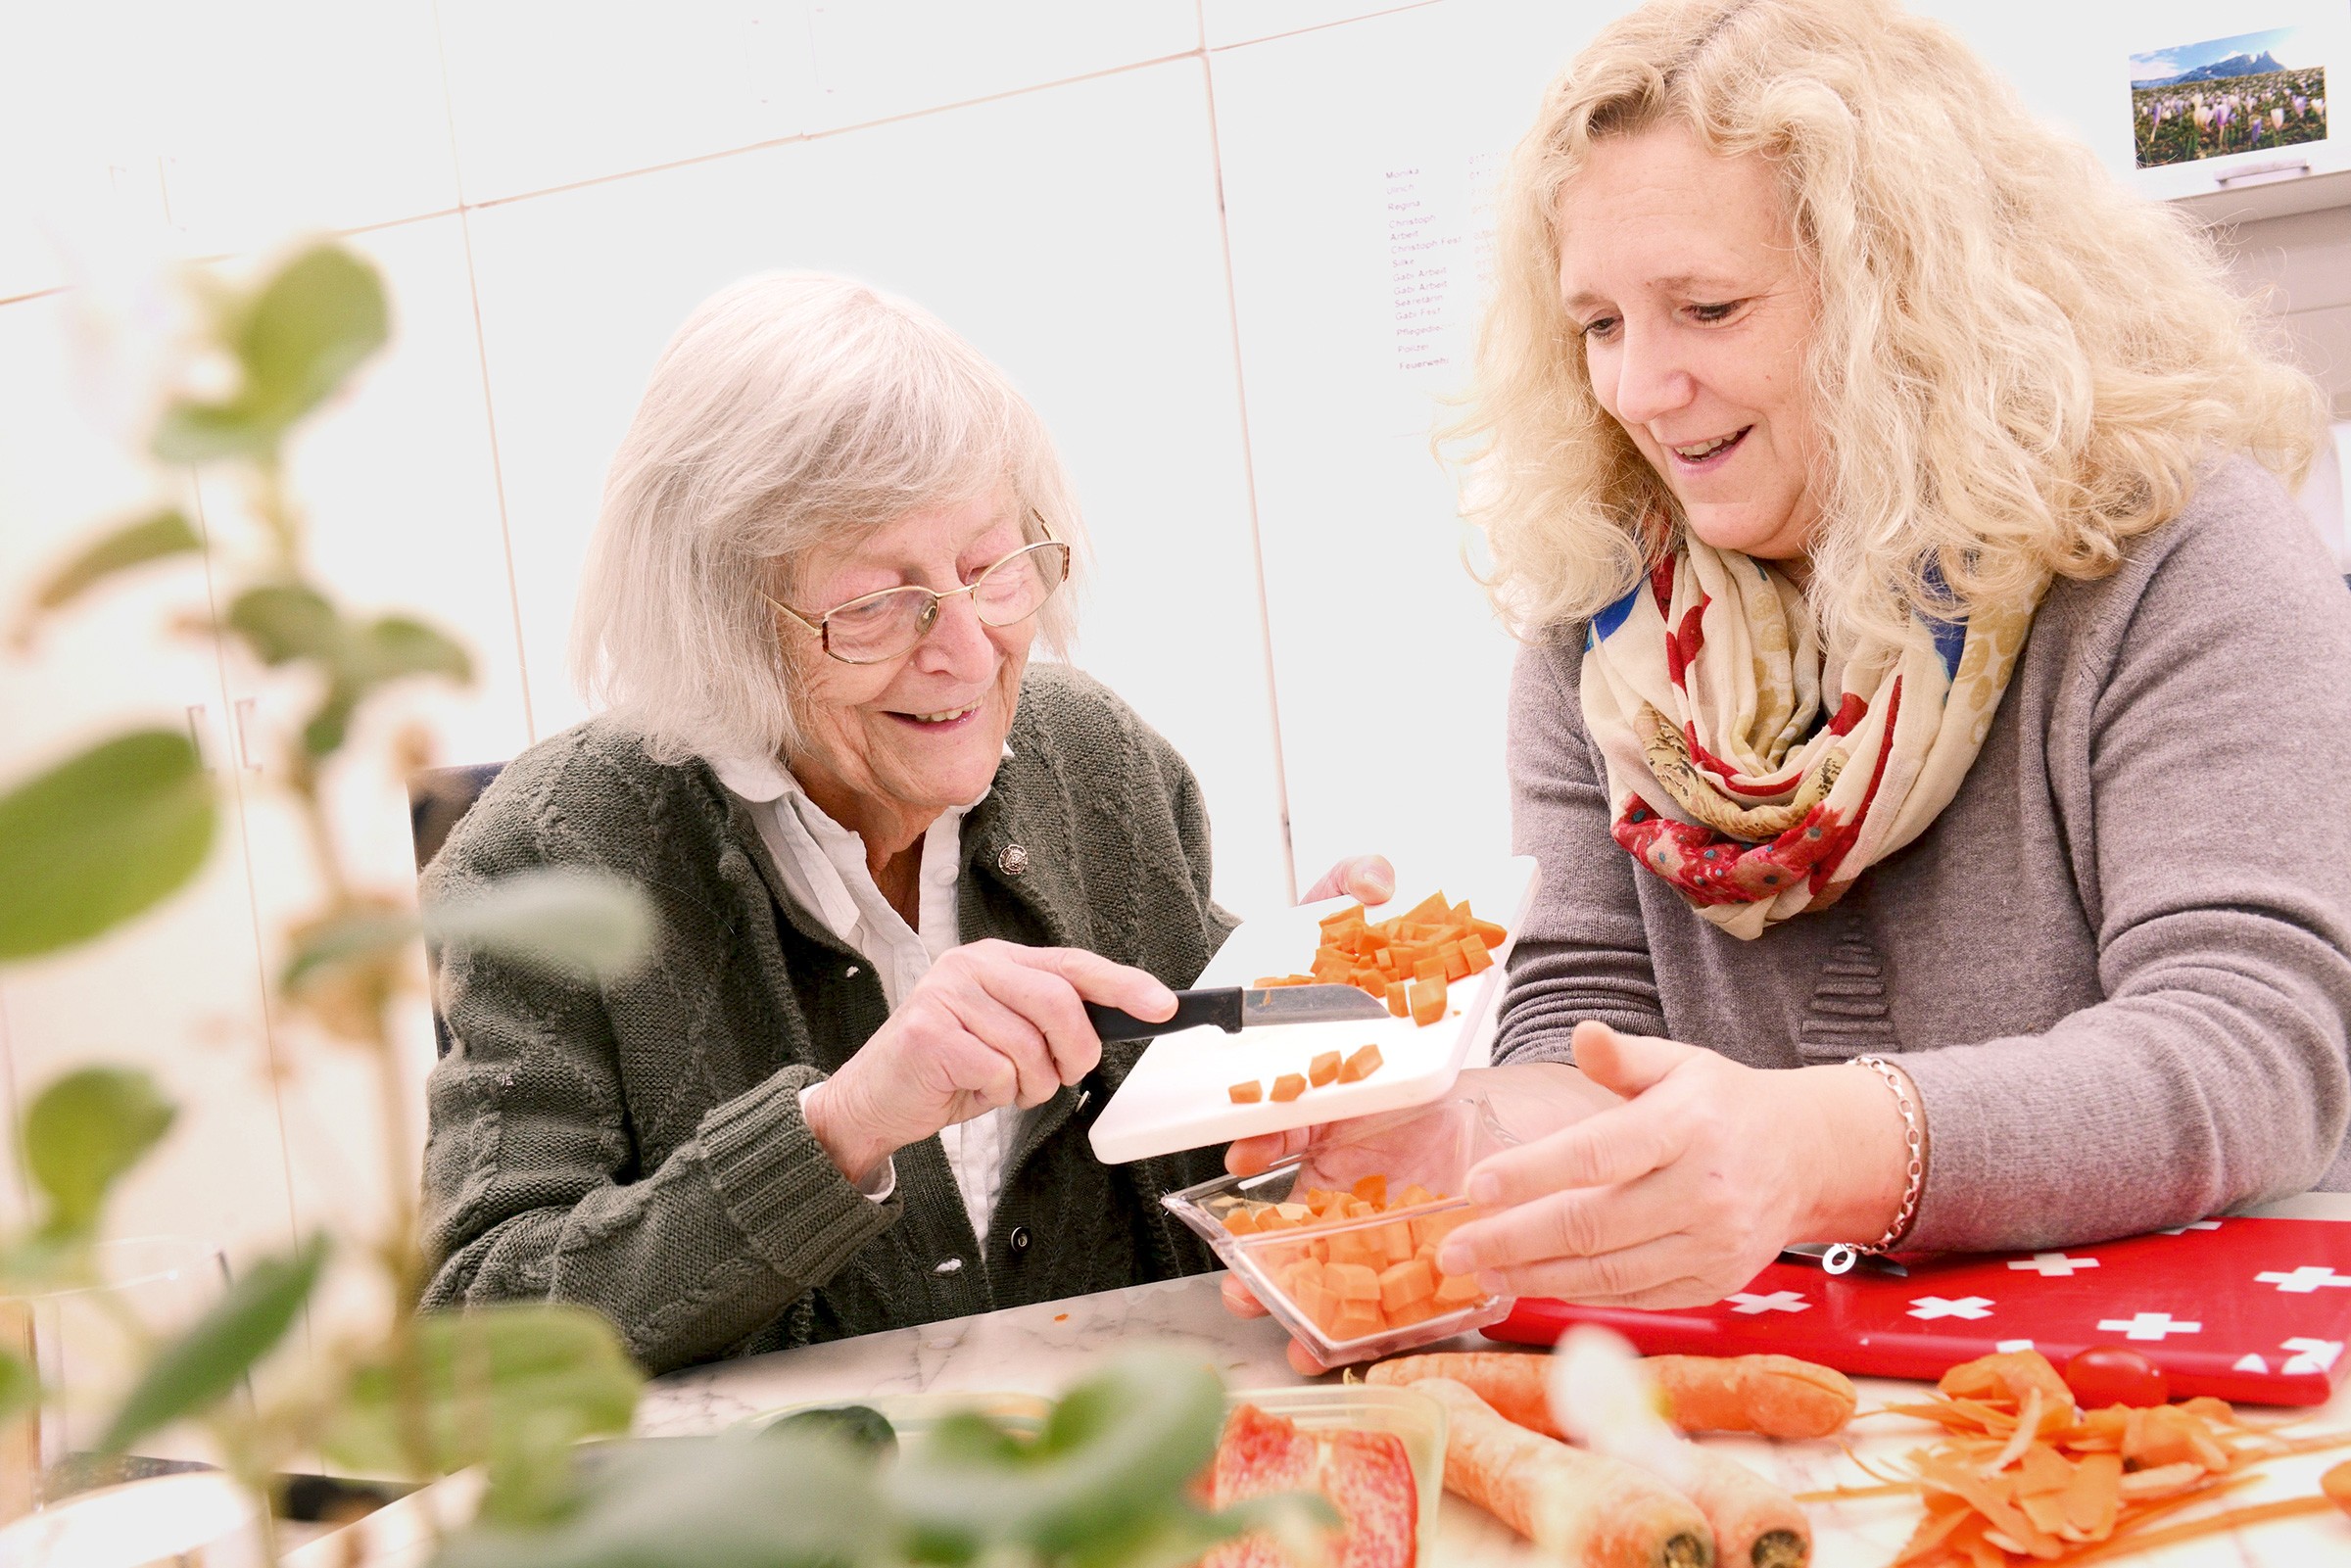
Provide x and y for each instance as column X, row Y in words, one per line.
column 1177, row 1095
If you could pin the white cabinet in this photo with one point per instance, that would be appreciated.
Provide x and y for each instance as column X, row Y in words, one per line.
column 1359, row 163
column 202, row 130
column 545, row 94
column 1072, row 235
column 179, row 990
column 399, row 485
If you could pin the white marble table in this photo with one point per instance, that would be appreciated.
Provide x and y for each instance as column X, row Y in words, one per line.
column 1042, row 1348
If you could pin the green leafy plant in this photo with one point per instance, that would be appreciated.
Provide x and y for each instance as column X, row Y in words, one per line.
column 103, row 836
column 1104, row 1485
column 100, row 838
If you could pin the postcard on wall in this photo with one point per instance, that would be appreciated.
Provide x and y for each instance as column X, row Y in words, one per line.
column 2216, row 103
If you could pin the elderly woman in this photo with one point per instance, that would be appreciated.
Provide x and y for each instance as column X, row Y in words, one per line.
column 1935, row 724
column 890, row 859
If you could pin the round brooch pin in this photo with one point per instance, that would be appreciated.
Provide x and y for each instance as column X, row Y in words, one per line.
column 1012, row 860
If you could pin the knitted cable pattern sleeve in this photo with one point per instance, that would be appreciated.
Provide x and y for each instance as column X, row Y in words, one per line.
column 2212, row 848
column 535, row 1186
column 1584, row 951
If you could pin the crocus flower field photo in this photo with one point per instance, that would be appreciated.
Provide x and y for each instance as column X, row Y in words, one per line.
column 2226, row 96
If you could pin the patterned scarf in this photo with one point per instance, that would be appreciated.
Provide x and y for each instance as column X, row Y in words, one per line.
column 1741, row 772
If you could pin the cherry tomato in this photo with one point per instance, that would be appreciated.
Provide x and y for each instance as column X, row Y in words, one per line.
column 2115, row 1375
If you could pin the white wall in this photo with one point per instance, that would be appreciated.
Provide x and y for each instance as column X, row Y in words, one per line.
column 1231, row 248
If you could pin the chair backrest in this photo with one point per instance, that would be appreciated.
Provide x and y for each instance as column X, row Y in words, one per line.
column 438, row 799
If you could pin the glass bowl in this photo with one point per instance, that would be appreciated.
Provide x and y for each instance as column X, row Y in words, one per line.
column 1340, row 1242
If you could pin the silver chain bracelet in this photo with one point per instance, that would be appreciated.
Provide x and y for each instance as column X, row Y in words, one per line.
column 1914, row 1138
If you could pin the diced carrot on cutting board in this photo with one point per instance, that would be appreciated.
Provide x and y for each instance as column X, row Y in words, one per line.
column 1289, row 1086
column 1433, row 941
column 1361, row 1065
column 1248, row 1093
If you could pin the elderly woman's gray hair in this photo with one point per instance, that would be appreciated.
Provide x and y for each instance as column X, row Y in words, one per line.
column 790, row 410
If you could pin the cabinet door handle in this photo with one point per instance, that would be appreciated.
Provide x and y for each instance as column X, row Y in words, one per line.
column 196, row 733
column 242, row 709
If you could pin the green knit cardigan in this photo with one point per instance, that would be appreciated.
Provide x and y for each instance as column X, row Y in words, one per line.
column 637, row 1146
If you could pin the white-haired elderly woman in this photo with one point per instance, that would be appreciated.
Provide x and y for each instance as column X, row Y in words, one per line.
column 1934, row 720
column 889, row 857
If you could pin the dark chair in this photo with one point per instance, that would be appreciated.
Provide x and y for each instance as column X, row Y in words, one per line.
column 438, row 798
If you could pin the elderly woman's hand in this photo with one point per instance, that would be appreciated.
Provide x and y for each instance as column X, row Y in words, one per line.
column 1365, row 879
column 1683, row 1192
column 994, row 1023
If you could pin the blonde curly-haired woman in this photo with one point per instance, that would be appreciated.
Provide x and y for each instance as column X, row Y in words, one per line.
column 1935, row 718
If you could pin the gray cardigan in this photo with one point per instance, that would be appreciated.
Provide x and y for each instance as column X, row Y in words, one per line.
column 2118, row 966
column 637, row 1146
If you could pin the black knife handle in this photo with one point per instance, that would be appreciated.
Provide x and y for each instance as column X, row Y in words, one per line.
column 1223, row 1008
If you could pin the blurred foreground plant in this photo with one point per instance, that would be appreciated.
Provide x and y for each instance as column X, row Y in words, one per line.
column 100, row 838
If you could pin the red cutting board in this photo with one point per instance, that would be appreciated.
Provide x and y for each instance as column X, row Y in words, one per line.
column 2250, row 1309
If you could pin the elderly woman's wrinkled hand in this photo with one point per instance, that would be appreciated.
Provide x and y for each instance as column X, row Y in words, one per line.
column 1684, row 1191
column 994, row 1023
column 1365, row 879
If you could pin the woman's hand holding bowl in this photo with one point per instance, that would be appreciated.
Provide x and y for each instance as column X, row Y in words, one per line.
column 1683, row 1190
column 994, row 1023
column 1532, row 1100
column 1655, row 1173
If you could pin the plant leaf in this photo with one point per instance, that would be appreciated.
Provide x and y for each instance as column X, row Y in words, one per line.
column 20, row 1387
column 397, row 645
column 310, row 326
column 802, row 1501
column 1118, row 1448
column 297, row 338
column 154, row 537
column 285, row 621
column 99, row 838
column 196, row 1370
column 83, row 1132
column 361, row 935
column 513, row 1386
column 385, row 649
column 560, row 919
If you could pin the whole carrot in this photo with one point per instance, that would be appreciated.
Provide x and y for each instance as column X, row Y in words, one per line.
column 1756, row 1524
column 1511, row 1380
column 1776, row 1396
column 1583, row 1508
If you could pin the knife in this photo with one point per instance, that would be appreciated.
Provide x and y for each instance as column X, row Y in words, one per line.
column 1233, row 1009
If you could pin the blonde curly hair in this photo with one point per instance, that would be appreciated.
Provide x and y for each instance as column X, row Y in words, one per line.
column 2018, row 366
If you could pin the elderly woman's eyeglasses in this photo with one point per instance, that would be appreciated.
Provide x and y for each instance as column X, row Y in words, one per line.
column 875, row 627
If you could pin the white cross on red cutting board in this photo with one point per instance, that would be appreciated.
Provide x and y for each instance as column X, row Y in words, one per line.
column 2252, row 1309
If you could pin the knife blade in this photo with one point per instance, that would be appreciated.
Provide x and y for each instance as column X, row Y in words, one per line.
column 1236, row 1008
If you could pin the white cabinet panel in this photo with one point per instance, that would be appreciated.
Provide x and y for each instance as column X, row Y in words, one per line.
column 550, row 92
column 547, row 94
column 1358, row 169
column 1233, row 22
column 212, row 129
column 1072, row 235
column 179, row 990
column 871, row 58
column 397, row 482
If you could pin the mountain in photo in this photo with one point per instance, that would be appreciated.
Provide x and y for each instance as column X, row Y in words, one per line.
column 2259, row 65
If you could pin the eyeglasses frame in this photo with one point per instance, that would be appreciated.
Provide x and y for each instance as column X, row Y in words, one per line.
column 824, row 635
